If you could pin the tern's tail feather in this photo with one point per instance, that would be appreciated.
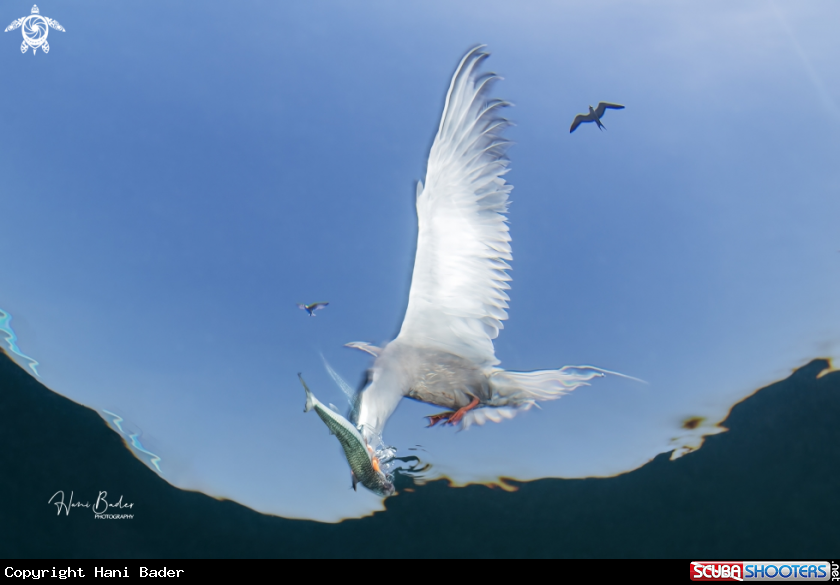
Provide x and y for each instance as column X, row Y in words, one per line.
column 514, row 392
column 511, row 388
column 310, row 402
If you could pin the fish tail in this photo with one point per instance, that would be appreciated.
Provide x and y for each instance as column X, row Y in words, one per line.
column 310, row 403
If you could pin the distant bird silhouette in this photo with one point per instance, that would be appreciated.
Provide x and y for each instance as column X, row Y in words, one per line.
column 312, row 308
column 594, row 115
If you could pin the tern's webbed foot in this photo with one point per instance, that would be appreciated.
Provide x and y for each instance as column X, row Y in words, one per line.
column 452, row 418
column 459, row 414
column 436, row 418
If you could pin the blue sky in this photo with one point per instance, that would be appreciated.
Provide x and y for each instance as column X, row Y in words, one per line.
column 178, row 175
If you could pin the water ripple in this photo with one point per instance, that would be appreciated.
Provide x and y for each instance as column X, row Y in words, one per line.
column 11, row 341
column 133, row 439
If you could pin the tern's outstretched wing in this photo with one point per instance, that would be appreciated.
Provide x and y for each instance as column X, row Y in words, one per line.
column 579, row 119
column 602, row 107
column 15, row 24
column 457, row 300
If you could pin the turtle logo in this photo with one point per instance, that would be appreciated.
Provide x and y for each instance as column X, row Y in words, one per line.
column 35, row 29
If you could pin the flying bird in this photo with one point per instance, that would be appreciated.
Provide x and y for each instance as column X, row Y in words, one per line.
column 444, row 354
column 312, row 308
column 594, row 115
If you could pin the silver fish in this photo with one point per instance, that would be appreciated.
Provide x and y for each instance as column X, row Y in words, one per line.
column 364, row 465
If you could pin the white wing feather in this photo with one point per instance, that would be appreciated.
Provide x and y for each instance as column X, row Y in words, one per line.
column 457, row 300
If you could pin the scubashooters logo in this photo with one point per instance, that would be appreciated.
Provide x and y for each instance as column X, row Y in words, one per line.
column 796, row 571
column 35, row 29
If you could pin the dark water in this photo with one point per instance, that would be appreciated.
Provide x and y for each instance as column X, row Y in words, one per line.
column 766, row 489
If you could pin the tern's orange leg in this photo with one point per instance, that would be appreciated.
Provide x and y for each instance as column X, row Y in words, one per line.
column 436, row 418
column 459, row 414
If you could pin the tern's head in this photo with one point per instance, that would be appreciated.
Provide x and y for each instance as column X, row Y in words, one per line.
column 387, row 488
